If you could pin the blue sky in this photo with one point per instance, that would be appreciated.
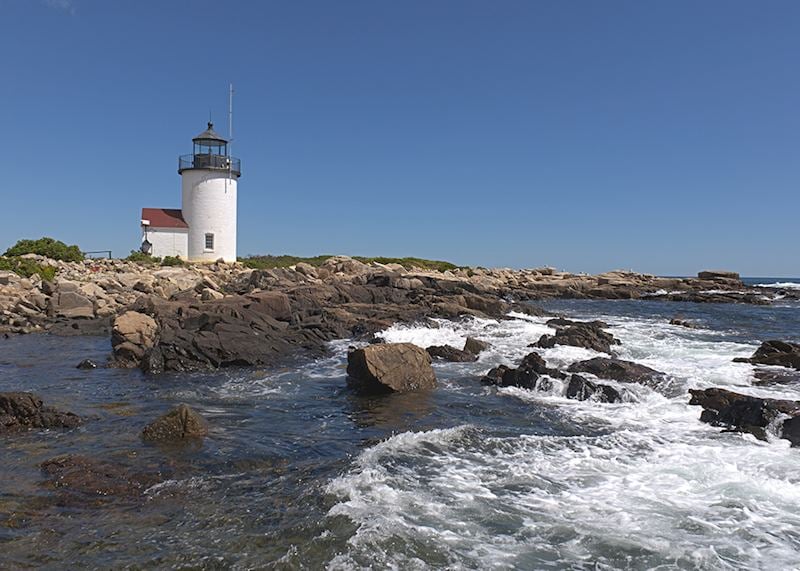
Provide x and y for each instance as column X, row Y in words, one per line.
column 589, row 135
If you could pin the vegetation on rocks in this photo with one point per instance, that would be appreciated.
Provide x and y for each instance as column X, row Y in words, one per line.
column 172, row 261
column 142, row 258
column 266, row 262
column 48, row 247
column 27, row 268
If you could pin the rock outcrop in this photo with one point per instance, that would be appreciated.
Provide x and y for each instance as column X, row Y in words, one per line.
column 21, row 411
column 589, row 335
column 617, row 370
column 747, row 413
column 390, row 367
column 580, row 388
column 780, row 353
column 132, row 337
column 528, row 375
column 180, row 424
column 450, row 353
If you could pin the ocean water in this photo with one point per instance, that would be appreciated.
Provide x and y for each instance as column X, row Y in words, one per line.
column 299, row 473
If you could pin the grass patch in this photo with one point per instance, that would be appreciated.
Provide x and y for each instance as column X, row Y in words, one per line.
column 268, row 262
column 27, row 268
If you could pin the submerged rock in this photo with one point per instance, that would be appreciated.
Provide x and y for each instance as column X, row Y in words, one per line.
column 390, row 367
column 747, row 413
column 20, row 411
column 589, row 335
column 617, row 370
column 580, row 388
column 681, row 323
column 80, row 479
column 86, row 364
column 781, row 353
column 180, row 423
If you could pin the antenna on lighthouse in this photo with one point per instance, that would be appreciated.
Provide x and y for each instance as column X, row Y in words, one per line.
column 230, row 128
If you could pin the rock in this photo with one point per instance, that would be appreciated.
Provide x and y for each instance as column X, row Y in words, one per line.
column 526, row 376
column 449, row 353
column 390, row 367
column 717, row 275
column 208, row 294
column 617, row 370
column 780, row 353
column 180, row 423
column 589, row 335
column 132, row 336
column 681, row 323
column 580, row 388
column 747, row 413
column 475, row 346
column 273, row 303
column 71, row 304
column 86, row 364
column 20, row 411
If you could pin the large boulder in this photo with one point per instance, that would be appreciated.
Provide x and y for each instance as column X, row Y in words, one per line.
column 781, row 353
column 132, row 336
column 390, row 367
column 181, row 423
column 747, row 413
column 20, row 411
column 617, row 370
column 71, row 304
column 589, row 335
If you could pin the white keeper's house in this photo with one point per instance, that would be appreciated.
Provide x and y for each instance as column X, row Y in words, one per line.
column 204, row 229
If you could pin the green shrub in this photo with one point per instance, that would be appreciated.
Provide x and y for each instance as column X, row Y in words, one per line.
column 172, row 261
column 268, row 262
column 409, row 263
column 53, row 249
column 26, row 268
column 142, row 258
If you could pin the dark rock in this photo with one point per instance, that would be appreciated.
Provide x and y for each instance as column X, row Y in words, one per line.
column 681, row 323
column 617, row 369
column 180, row 423
column 86, row 364
column 747, row 413
column 781, row 353
column 390, row 367
column 475, row 346
column 450, row 353
column 589, row 335
column 580, row 388
column 526, row 376
column 718, row 275
column 20, row 411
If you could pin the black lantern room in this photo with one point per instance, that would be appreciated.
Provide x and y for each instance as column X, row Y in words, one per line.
column 210, row 151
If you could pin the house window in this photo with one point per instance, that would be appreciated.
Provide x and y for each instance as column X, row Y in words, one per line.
column 210, row 242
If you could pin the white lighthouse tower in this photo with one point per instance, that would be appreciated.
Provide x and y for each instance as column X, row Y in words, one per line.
column 209, row 179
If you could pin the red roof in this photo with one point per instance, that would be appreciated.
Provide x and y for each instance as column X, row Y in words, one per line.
column 164, row 217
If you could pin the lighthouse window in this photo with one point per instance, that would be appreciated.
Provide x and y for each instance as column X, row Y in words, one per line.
column 209, row 242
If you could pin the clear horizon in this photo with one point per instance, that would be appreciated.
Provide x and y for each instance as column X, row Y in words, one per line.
column 658, row 137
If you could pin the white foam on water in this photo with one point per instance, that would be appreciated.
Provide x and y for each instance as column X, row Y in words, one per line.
column 652, row 487
column 781, row 285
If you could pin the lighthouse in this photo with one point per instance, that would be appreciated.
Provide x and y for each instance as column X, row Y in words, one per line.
column 204, row 229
